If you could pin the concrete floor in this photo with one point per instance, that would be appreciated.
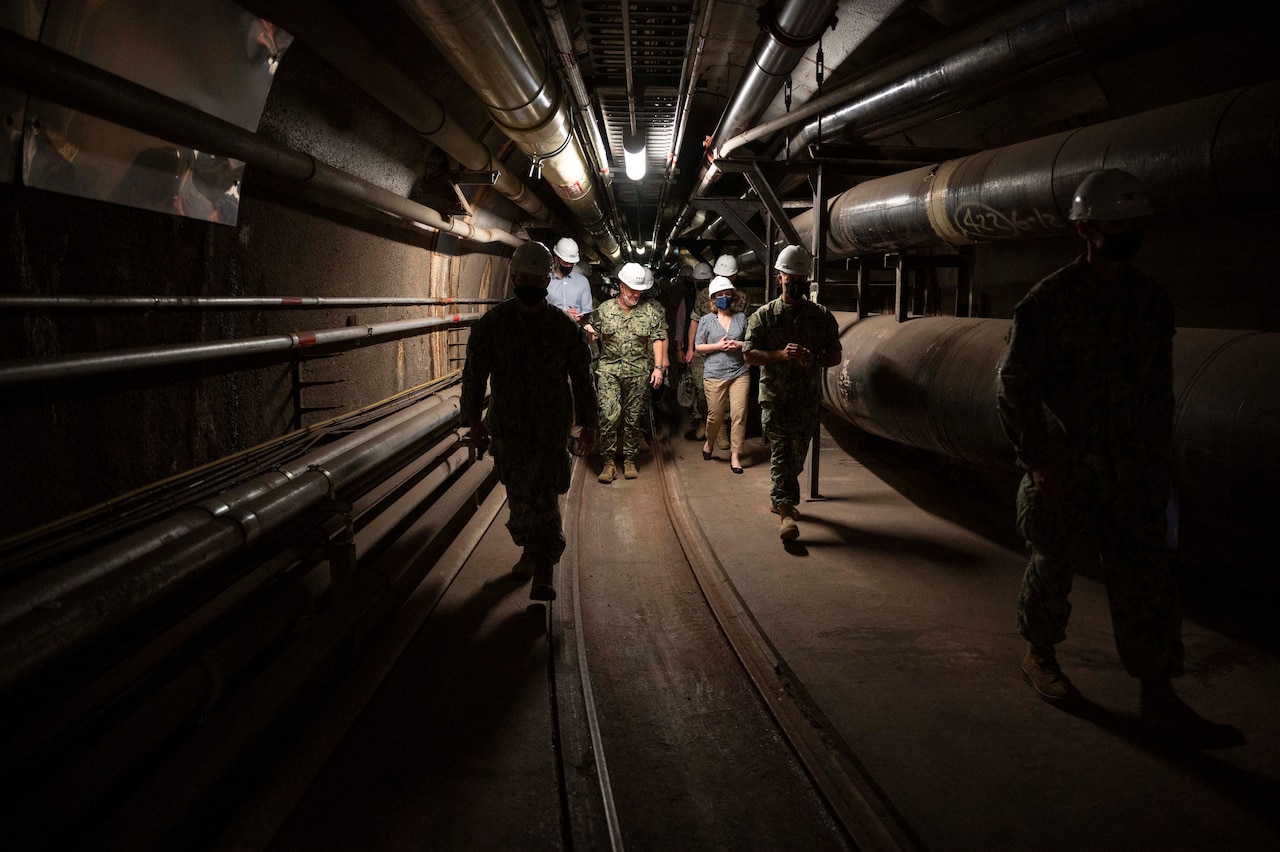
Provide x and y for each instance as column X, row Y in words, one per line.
column 895, row 612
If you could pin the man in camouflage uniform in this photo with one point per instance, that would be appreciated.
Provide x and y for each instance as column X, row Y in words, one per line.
column 536, row 360
column 1085, row 394
column 631, row 332
column 727, row 266
column 791, row 339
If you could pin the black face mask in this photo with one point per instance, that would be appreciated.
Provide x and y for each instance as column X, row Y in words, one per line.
column 564, row 270
column 1120, row 246
column 530, row 296
column 797, row 290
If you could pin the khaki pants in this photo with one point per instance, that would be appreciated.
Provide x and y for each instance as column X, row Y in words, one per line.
column 735, row 392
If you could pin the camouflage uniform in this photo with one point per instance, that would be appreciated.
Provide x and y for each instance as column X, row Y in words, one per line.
column 526, row 359
column 626, row 363
column 701, row 307
column 789, row 393
column 1086, row 392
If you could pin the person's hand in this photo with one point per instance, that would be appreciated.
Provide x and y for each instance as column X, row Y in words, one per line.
column 688, row 355
column 585, row 443
column 730, row 345
column 574, row 314
column 796, row 352
column 1047, row 482
column 655, row 378
column 479, row 438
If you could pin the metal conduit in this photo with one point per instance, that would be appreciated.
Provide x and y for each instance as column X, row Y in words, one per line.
column 39, row 70
column 40, row 635
column 338, row 43
column 777, row 51
column 25, row 371
column 489, row 44
column 224, row 302
column 554, row 12
column 1200, row 155
column 930, row 383
column 63, row 579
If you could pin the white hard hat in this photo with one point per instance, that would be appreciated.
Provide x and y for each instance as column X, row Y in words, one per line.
column 794, row 260
column 648, row 278
column 1109, row 195
column 686, row 271
column 726, row 264
column 532, row 258
column 702, row 272
column 567, row 250
column 632, row 274
column 719, row 284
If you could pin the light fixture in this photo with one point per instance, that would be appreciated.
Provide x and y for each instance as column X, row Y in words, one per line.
column 633, row 149
column 640, row 249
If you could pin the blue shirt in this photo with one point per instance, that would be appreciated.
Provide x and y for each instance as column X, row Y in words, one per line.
column 571, row 291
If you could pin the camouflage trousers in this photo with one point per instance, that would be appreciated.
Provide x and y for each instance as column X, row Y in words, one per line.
column 535, row 522
column 624, row 400
column 788, row 430
column 1124, row 532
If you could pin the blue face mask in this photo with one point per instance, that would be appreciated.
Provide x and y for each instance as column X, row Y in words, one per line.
column 722, row 302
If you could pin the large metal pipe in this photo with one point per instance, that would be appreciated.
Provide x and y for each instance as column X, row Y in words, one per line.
column 490, row 45
column 38, row 636
column 930, row 383
column 221, row 303
column 1195, row 156
column 1045, row 46
column 28, row 370
column 781, row 44
column 39, row 70
column 554, row 11
column 338, row 43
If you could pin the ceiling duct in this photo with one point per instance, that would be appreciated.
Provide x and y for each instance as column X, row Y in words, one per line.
column 492, row 48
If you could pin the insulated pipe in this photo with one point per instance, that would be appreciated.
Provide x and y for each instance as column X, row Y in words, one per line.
column 1040, row 45
column 39, row 636
column 554, row 11
column 1200, row 155
column 39, row 70
column 930, row 383
column 491, row 47
column 27, row 370
column 53, row 583
column 338, row 43
column 778, row 49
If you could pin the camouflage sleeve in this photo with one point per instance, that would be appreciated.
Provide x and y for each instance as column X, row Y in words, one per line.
column 475, row 374
column 830, row 335
column 754, row 338
column 1019, row 389
column 659, row 322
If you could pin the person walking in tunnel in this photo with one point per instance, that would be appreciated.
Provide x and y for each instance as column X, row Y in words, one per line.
column 535, row 360
column 631, row 332
column 727, row 377
column 726, row 266
column 791, row 339
column 694, row 362
column 569, row 290
column 1085, row 394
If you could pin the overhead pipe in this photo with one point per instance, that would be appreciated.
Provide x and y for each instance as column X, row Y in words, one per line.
column 930, row 383
column 554, row 12
column 785, row 36
column 491, row 47
column 27, row 370
column 53, row 583
column 1053, row 44
column 48, row 73
column 1198, row 155
column 342, row 46
column 38, row 636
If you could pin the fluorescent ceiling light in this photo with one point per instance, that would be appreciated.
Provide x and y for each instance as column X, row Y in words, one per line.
column 633, row 150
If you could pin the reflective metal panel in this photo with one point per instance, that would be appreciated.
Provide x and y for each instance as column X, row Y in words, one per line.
column 22, row 17
column 210, row 54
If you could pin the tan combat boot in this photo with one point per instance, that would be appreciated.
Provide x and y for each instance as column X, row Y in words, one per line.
column 722, row 440
column 642, row 443
column 700, row 431
column 787, row 530
column 629, row 469
column 608, row 472
column 523, row 569
column 1040, row 668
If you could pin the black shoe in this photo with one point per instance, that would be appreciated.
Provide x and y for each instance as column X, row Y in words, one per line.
column 706, row 456
column 735, row 469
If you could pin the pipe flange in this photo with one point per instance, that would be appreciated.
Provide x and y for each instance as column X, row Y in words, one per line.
column 328, row 478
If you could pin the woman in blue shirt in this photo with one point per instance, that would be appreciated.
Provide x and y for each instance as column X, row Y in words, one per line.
column 726, row 376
